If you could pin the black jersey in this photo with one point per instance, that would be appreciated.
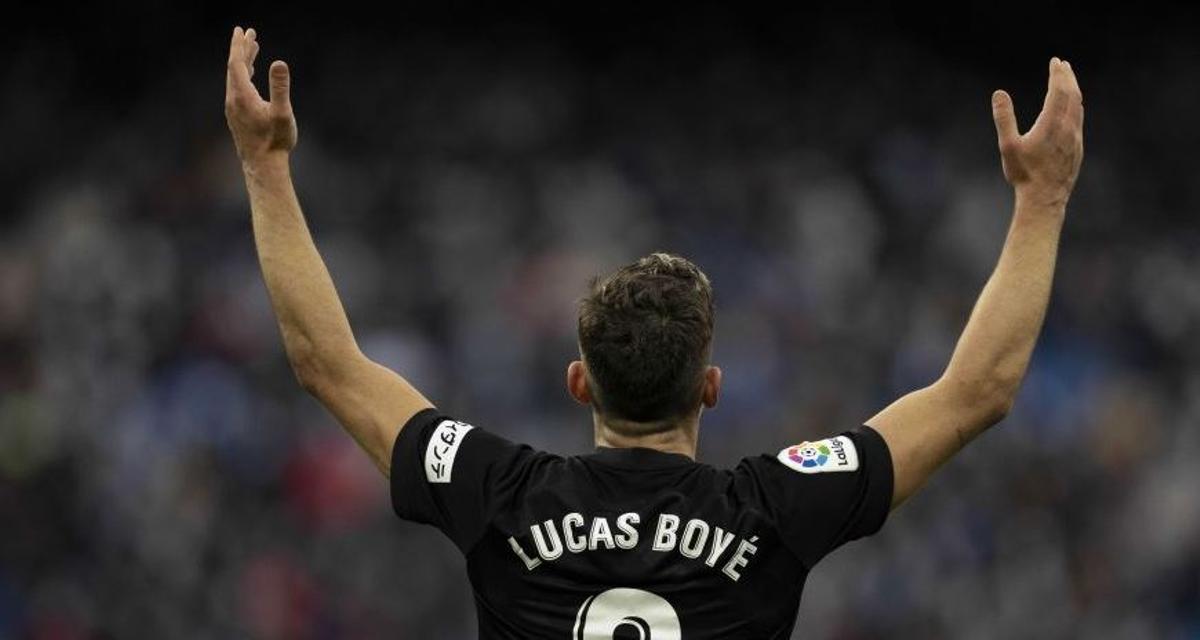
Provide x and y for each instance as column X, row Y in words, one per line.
column 636, row 542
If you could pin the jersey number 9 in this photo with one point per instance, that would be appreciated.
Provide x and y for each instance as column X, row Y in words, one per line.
column 618, row 614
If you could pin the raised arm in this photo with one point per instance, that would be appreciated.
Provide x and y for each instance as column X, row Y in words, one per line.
column 926, row 427
column 370, row 401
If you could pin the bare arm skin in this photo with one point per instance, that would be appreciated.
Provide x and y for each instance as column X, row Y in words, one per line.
column 926, row 427
column 371, row 402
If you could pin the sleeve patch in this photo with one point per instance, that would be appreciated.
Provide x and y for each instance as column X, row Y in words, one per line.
column 822, row 456
column 442, row 448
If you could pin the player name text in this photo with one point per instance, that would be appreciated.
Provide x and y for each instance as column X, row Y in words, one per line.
column 694, row 539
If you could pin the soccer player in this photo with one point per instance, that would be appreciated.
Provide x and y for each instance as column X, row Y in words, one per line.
column 637, row 539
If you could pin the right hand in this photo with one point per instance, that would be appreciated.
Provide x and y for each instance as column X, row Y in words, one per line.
column 260, row 128
column 1043, row 163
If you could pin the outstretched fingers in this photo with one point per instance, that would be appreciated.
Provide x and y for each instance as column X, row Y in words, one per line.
column 237, row 57
column 234, row 50
column 251, row 50
column 1058, row 92
column 237, row 77
column 1076, row 95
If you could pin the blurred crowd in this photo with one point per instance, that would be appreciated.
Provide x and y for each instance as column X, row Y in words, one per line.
column 163, row 475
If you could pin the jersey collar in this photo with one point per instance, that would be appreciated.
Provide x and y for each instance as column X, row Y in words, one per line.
column 639, row 458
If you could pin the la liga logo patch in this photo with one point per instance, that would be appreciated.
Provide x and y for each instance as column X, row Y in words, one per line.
column 831, row 454
column 809, row 455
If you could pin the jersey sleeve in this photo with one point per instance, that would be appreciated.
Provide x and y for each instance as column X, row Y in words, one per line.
column 454, row 476
column 823, row 494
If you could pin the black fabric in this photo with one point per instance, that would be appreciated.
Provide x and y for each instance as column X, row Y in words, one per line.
column 755, row 532
column 817, row 513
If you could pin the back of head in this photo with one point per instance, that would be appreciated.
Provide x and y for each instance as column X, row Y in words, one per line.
column 646, row 335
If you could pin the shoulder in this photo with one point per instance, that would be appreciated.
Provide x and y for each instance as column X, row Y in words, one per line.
column 849, row 452
column 825, row 474
column 442, row 437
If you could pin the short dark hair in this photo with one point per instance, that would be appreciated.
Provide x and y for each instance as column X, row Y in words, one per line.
column 646, row 334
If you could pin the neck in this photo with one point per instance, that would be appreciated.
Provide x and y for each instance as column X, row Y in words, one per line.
column 678, row 436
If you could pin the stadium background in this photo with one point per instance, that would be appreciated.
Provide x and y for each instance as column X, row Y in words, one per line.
column 466, row 170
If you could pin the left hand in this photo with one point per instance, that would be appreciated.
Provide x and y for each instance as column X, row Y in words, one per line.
column 260, row 129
